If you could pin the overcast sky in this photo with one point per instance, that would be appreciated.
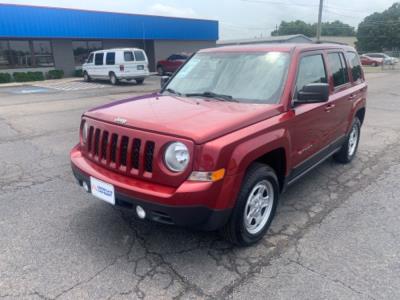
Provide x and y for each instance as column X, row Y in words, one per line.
column 238, row 18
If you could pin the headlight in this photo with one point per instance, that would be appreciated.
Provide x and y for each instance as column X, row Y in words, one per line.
column 177, row 157
column 84, row 132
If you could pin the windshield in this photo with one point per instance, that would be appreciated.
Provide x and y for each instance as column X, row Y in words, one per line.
column 244, row 77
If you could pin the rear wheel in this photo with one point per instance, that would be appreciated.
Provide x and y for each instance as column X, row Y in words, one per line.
column 113, row 79
column 255, row 207
column 139, row 81
column 86, row 77
column 349, row 149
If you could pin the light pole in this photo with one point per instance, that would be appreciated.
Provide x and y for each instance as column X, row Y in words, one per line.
column 319, row 25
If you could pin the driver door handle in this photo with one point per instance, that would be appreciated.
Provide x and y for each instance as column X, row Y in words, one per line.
column 329, row 107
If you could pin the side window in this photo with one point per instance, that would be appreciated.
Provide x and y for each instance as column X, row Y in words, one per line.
column 90, row 59
column 311, row 70
column 128, row 56
column 110, row 58
column 338, row 68
column 139, row 55
column 172, row 57
column 98, row 59
column 356, row 70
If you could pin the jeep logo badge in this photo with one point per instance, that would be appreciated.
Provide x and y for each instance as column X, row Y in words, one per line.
column 120, row 121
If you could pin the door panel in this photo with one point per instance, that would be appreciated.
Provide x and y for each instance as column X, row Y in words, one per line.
column 309, row 129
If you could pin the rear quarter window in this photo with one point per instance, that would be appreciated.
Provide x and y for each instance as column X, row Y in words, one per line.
column 139, row 55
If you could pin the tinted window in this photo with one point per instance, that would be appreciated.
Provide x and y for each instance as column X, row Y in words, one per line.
column 172, row 57
column 356, row 70
column 20, row 54
column 128, row 56
column 4, row 54
column 83, row 48
column 338, row 68
column 139, row 55
column 98, row 59
column 90, row 59
column 110, row 58
column 43, row 53
column 311, row 70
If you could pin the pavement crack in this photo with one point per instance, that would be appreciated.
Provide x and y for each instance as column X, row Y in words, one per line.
column 334, row 280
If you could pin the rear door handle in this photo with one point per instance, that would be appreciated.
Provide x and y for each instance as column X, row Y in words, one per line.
column 352, row 96
column 329, row 107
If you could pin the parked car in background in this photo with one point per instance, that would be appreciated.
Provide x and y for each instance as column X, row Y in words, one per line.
column 387, row 60
column 225, row 136
column 116, row 65
column 371, row 61
column 171, row 64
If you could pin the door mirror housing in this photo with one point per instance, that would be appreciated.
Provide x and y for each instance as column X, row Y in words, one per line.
column 313, row 93
column 164, row 80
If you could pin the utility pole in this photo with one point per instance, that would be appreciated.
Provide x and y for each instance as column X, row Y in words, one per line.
column 319, row 25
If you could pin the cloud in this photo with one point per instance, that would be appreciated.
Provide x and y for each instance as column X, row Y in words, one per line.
column 166, row 10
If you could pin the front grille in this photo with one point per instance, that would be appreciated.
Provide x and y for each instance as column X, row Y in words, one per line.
column 120, row 152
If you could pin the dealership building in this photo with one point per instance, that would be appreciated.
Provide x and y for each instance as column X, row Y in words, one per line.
column 43, row 38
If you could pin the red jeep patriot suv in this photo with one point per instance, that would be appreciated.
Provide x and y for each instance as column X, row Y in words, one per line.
column 225, row 136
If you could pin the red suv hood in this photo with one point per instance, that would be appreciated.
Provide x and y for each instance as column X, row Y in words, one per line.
column 200, row 120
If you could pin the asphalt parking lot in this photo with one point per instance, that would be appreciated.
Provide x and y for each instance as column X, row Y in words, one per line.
column 336, row 234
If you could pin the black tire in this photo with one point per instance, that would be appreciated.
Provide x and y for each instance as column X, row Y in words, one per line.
column 344, row 155
column 235, row 230
column 86, row 77
column 139, row 81
column 160, row 70
column 113, row 79
column 375, row 64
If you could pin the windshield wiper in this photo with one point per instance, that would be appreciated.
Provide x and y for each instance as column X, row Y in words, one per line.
column 212, row 95
column 173, row 92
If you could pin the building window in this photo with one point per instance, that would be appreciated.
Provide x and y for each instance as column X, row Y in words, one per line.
column 82, row 50
column 25, row 54
column 4, row 57
column 43, row 54
column 20, row 54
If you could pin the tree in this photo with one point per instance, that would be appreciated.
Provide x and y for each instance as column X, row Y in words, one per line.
column 336, row 28
column 380, row 31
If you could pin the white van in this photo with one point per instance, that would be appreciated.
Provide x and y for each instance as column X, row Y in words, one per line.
column 117, row 64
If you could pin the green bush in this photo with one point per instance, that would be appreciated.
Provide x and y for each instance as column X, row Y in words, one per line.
column 28, row 76
column 78, row 73
column 55, row 74
column 5, row 78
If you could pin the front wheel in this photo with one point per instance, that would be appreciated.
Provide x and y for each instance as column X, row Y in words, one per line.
column 349, row 148
column 139, row 81
column 86, row 76
column 113, row 79
column 255, row 207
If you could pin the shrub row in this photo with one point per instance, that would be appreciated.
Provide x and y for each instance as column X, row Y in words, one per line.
column 30, row 76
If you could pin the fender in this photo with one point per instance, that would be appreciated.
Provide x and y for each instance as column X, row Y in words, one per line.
column 246, row 153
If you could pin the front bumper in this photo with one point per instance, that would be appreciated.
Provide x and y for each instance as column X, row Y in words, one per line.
column 162, row 204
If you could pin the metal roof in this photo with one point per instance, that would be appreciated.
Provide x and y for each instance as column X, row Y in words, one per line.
column 20, row 21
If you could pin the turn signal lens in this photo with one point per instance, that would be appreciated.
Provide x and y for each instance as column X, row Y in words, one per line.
column 207, row 176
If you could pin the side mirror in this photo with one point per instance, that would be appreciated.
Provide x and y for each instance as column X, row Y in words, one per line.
column 313, row 93
column 164, row 80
